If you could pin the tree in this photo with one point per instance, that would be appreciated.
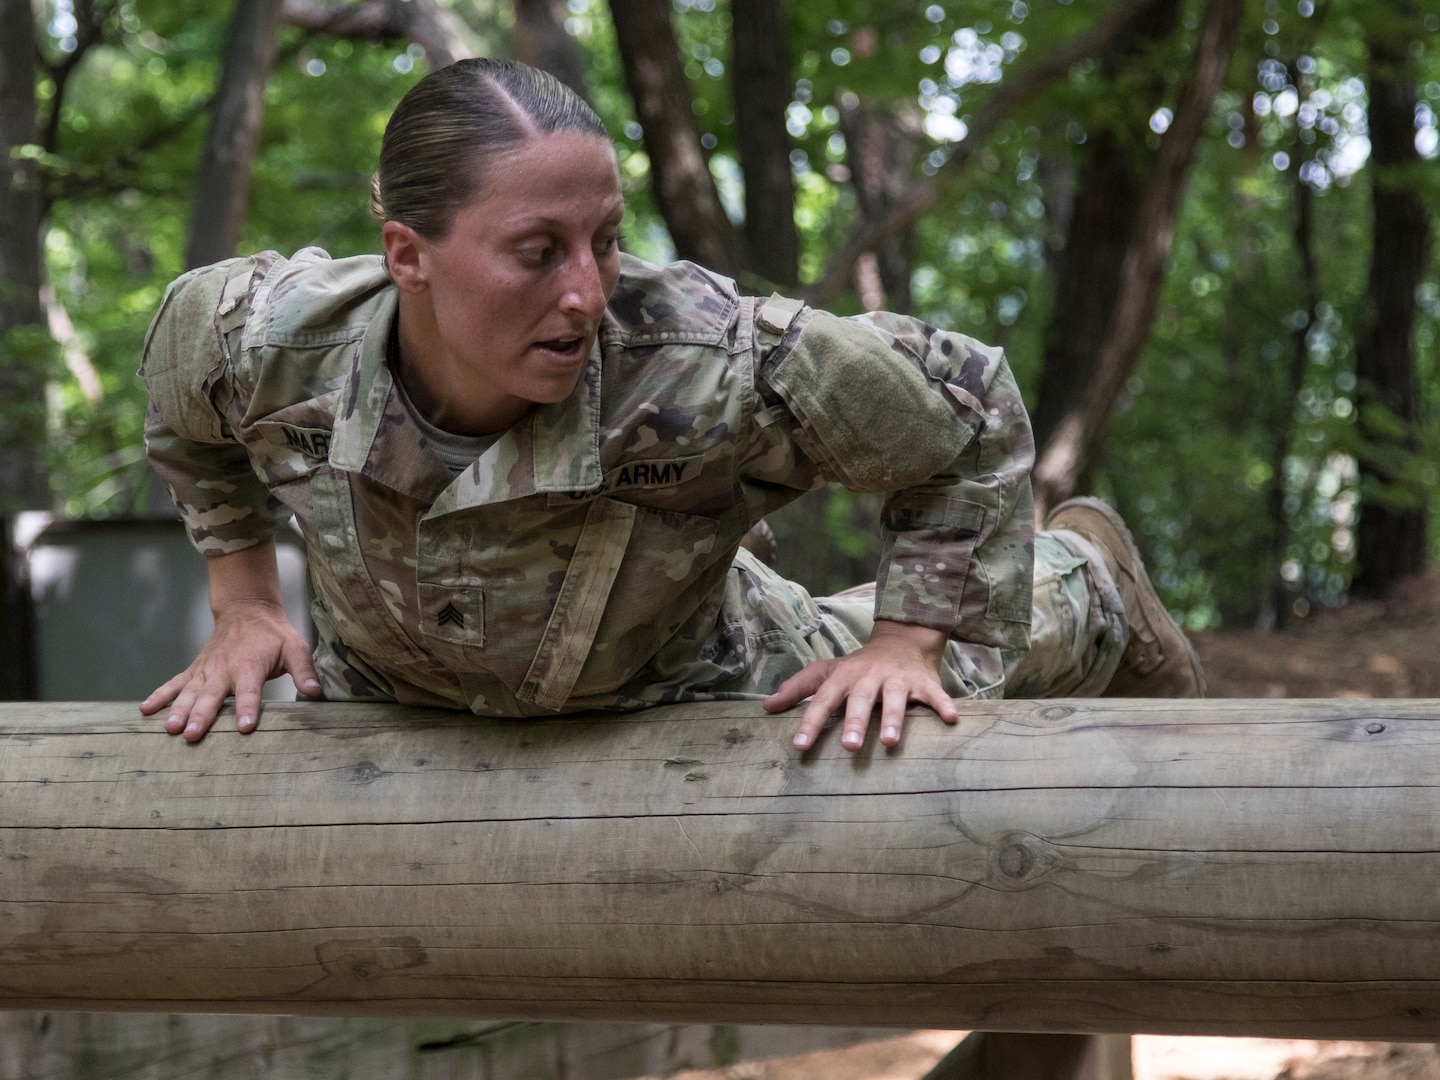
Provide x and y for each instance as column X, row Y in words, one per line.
column 24, row 343
column 762, row 85
column 1100, row 224
column 222, row 181
column 881, row 143
column 541, row 42
column 683, row 186
column 1077, row 436
column 439, row 31
column 1391, row 538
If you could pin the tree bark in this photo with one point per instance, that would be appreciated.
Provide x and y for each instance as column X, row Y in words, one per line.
column 1085, row 865
column 1390, row 541
column 762, row 87
column 1078, row 434
column 24, row 343
column 1100, row 224
column 439, row 31
column 542, row 42
column 222, row 182
column 1274, row 611
column 880, row 146
column 684, row 188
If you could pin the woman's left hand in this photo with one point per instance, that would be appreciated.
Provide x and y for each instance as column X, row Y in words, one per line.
column 899, row 664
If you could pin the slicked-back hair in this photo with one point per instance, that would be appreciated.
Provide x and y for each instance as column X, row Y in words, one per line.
column 452, row 122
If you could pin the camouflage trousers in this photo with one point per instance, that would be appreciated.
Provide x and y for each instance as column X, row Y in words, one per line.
column 1078, row 631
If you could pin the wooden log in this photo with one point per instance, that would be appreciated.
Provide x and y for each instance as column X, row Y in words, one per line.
column 1206, row 867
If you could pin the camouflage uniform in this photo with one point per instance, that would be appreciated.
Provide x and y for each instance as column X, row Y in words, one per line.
column 587, row 559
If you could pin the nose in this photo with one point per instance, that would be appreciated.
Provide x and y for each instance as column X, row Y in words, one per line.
column 584, row 287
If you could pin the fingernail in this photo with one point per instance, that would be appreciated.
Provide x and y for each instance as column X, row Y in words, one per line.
column 173, row 723
column 852, row 739
column 193, row 729
column 245, row 723
column 890, row 733
column 312, row 684
column 802, row 741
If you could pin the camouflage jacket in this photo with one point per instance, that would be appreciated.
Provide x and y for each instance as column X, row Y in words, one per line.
column 587, row 559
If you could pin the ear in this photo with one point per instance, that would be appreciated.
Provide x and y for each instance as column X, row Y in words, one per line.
column 404, row 248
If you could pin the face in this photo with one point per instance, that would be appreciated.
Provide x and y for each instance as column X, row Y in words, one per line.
column 500, row 314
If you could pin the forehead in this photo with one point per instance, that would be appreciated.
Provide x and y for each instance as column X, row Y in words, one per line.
column 567, row 172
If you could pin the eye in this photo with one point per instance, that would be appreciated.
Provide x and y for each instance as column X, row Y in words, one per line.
column 537, row 254
column 608, row 244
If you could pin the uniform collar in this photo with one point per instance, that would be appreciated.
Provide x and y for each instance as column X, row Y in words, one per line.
column 554, row 449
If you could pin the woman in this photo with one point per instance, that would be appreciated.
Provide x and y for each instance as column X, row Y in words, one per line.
column 523, row 463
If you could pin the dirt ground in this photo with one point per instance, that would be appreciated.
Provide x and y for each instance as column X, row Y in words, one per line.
column 1367, row 649
column 1364, row 650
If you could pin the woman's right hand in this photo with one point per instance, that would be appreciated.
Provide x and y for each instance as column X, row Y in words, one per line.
column 253, row 641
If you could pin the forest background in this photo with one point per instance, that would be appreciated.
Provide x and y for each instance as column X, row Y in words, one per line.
column 1200, row 228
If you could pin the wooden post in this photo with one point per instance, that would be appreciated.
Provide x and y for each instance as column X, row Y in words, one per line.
column 1207, row 867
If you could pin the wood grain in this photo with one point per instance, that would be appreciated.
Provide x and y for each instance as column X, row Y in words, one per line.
column 1223, row 867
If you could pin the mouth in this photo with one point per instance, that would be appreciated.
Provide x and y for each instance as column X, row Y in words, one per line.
column 565, row 348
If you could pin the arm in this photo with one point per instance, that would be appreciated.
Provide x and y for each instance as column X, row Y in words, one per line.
column 253, row 641
column 228, row 511
column 886, row 403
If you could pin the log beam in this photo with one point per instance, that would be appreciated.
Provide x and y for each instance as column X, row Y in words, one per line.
column 1205, row 867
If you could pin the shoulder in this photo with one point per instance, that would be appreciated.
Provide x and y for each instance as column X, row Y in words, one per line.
column 274, row 298
column 675, row 303
column 312, row 299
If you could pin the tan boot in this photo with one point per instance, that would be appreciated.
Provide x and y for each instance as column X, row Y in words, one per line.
column 1159, row 661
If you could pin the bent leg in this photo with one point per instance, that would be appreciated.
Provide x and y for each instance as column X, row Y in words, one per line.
column 1078, row 629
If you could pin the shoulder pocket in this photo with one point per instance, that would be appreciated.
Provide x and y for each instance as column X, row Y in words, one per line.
column 185, row 349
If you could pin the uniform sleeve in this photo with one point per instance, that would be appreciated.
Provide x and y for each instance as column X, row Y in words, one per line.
column 193, row 397
column 886, row 403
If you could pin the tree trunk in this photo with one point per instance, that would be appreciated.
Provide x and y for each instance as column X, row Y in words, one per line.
column 1390, row 541
column 222, row 181
column 1274, row 612
column 760, row 76
column 1072, row 864
column 542, row 42
column 880, row 146
column 1077, row 435
column 1100, row 225
column 684, row 188
column 24, row 343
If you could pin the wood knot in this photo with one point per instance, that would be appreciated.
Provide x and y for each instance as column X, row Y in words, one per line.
column 367, row 772
column 1053, row 714
column 1021, row 860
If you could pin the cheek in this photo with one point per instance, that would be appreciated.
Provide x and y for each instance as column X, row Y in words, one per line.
column 610, row 276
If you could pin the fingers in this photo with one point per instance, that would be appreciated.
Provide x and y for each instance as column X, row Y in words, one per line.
column 301, row 667
column 834, row 687
column 896, row 696
column 799, row 686
column 164, row 694
column 247, row 706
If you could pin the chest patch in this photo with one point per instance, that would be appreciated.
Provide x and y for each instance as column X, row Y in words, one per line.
column 314, row 443
column 644, row 475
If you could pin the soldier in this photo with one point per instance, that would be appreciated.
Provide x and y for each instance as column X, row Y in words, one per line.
column 523, row 464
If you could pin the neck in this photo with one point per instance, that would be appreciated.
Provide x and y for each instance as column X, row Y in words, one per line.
column 438, row 389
